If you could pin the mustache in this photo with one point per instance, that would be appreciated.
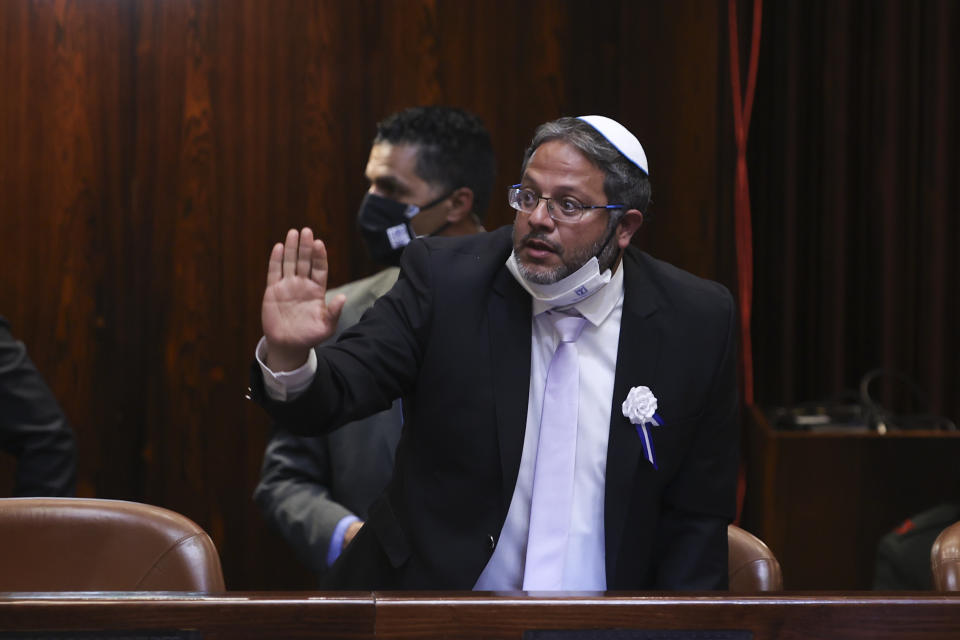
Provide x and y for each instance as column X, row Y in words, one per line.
column 541, row 237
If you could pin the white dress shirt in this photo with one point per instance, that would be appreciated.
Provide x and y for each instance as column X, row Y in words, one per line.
column 585, row 565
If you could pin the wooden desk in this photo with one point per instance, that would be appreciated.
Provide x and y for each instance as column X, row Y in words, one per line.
column 822, row 501
column 231, row 615
column 469, row 616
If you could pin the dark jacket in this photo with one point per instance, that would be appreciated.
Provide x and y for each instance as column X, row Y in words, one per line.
column 33, row 428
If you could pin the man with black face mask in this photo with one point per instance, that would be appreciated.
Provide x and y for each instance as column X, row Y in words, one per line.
column 430, row 170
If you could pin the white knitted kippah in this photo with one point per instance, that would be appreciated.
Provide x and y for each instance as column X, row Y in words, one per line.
column 621, row 138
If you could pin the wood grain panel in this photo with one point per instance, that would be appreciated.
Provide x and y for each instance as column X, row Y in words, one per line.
column 66, row 71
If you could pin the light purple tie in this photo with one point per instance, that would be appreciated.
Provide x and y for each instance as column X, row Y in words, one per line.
column 552, row 500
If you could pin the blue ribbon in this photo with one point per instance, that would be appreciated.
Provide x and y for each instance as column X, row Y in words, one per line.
column 646, row 441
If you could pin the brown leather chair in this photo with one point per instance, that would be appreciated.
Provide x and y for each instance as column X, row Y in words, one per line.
column 79, row 544
column 945, row 559
column 753, row 567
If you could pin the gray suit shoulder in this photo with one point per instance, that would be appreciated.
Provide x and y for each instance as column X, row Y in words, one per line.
column 379, row 283
column 361, row 294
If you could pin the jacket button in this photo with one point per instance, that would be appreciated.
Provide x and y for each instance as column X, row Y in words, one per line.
column 493, row 543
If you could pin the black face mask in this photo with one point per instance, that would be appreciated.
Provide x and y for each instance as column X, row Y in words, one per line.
column 385, row 226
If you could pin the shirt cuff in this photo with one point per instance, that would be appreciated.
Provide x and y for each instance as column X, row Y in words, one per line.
column 285, row 385
column 336, row 540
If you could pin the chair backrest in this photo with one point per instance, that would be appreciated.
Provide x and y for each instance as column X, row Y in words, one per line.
column 945, row 559
column 80, row 544
column 753, row 567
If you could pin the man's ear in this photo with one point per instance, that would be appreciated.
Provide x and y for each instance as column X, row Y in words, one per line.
column 628, row 225
column 461, row 205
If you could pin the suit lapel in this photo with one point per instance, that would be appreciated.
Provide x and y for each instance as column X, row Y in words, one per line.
column 637, row 355
column 510, row 335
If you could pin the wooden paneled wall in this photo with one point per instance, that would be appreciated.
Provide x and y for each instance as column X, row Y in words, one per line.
column 151, row 151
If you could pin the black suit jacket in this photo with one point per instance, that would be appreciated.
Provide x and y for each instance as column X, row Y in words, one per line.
column 32, row 425
column 453, row 338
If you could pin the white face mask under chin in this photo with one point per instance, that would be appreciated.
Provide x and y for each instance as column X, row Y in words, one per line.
column 579, row 285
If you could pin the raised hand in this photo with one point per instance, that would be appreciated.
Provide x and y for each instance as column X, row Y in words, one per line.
column 295, row 314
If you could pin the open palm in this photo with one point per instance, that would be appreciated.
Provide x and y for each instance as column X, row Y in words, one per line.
column 295, row 314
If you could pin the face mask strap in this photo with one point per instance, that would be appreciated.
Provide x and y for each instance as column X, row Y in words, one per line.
column 437, row 231
column 603, row 246
column 413, row 209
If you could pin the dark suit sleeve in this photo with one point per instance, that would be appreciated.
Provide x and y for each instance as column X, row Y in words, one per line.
column 701, row 502
column 371, row 364
column 32, row 426
column 293, row 495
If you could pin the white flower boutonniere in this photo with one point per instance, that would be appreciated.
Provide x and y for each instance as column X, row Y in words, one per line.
column 640, row 408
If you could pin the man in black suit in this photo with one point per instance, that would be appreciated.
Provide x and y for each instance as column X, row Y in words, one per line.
column 316, row 490
column 32, row 426
column 466, row 337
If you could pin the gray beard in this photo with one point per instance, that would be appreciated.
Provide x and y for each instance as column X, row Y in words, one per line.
column 605, row 258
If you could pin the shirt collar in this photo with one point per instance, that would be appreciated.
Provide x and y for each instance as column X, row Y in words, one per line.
column 597, row 307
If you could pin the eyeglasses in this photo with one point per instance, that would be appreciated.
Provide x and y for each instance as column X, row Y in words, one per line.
column 563, row 209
